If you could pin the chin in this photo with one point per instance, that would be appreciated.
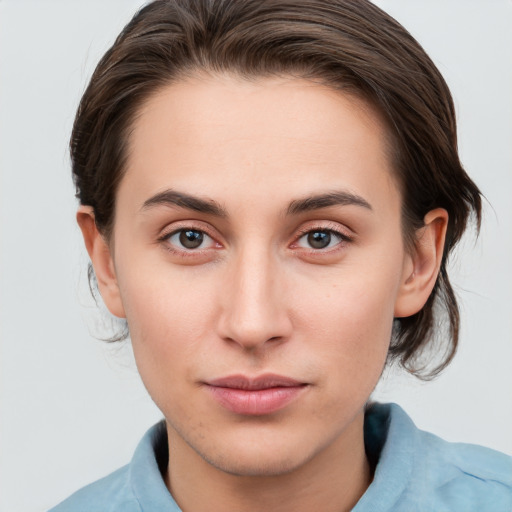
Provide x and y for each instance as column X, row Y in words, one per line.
column 265, row 449
column 251, row 465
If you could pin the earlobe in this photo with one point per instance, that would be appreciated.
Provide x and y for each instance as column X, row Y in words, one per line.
column 102, row 261
column 421, row 267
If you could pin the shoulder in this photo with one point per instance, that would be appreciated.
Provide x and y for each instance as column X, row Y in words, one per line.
column 137, row 487
column 112, row 493
column 417, row 470
column 469, row 476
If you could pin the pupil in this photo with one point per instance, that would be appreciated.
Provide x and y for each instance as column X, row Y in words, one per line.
column 191, row 239
column 319, row 239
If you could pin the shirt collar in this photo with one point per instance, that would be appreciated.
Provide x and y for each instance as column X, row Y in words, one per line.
column 390, row 440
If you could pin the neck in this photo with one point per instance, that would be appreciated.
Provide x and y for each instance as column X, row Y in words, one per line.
column 332, row 481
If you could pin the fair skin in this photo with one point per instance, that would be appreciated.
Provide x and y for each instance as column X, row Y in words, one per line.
column 222, row 268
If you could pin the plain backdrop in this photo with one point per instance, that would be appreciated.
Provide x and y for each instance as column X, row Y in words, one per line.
column 72, row 407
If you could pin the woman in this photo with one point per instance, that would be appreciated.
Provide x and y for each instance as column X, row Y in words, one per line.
column 269, row 192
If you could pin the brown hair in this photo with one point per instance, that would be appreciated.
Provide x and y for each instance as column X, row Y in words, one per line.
column 350, row 45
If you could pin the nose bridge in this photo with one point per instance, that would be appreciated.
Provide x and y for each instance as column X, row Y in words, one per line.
column 254, row 311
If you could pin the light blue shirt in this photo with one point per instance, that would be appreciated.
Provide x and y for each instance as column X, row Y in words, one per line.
column 416, row 472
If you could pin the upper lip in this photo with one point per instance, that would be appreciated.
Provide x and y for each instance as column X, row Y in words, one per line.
column 255, row 383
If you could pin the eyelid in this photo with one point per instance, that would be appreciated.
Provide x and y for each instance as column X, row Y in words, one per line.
column 345, row 235
column 204, row 243
column 191, row 225
column 334, row 227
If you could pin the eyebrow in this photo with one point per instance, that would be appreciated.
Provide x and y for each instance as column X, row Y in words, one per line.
column 182, row 200
column 209, row 206
column 335, row 198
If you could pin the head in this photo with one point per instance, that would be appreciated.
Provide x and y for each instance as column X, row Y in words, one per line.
column 257, row 174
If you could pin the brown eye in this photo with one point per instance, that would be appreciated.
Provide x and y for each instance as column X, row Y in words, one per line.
column 191, row 239
column 319, row 239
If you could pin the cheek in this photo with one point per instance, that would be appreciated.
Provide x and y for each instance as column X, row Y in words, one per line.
column 169, row 320
column 358, row 307
column 350, row 318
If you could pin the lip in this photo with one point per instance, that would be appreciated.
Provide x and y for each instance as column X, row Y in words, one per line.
column 255, row 396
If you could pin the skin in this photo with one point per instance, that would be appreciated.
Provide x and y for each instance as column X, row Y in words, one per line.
column 255, row 297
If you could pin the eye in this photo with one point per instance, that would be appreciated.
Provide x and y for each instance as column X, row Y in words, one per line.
column 320, row 239
column 190, row 239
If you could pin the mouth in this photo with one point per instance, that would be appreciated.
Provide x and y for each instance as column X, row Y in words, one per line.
column 255, row 396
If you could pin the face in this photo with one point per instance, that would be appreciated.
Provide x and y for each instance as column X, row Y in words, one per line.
column 258, row 254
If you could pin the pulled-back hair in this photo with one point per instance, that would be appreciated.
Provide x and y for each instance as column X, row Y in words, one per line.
column 349, row 45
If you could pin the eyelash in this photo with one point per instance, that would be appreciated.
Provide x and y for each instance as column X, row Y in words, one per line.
column 190, row 253
column 330, row 229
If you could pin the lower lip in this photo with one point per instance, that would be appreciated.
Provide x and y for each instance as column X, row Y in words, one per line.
column 255, row 402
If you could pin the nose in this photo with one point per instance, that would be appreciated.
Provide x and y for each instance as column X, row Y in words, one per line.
column 254, row 305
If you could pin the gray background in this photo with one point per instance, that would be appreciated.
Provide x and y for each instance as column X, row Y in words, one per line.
column 73, row 408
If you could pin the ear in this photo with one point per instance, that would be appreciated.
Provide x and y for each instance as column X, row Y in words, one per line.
column 102, row 261
column 421, row 267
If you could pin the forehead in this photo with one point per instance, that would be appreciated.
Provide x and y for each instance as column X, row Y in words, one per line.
column 210, row 135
